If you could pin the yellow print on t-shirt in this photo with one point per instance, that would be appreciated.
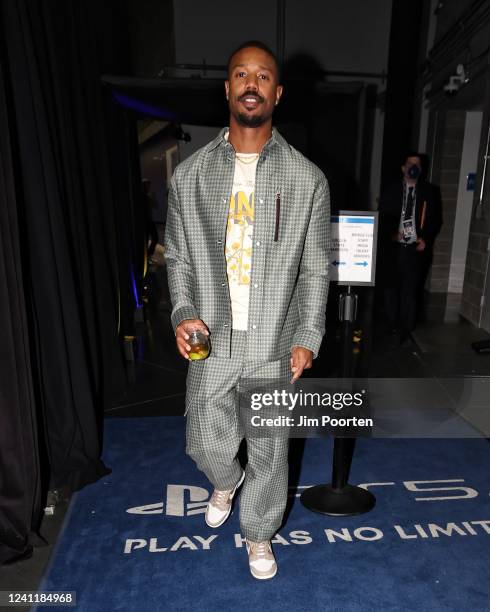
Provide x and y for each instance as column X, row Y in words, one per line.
column 239, row 238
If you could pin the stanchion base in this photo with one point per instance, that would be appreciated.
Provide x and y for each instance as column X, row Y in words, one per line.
column 347, row 501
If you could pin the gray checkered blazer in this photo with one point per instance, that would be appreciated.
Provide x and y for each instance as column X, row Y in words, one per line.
column 290, row 257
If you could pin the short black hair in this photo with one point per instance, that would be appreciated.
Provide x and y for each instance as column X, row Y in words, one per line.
column 411, row 153
column 257, row 44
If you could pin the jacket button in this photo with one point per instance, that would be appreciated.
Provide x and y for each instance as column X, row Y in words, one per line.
column 254, row 326
column 223, row 284
column 255, row 285
column 225, row 325
column 258, row 243
column 261, row 200
column 219, row 242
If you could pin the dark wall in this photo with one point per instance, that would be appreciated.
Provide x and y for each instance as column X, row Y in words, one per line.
column 402, row 77
column 448, row 14
column 151, row 31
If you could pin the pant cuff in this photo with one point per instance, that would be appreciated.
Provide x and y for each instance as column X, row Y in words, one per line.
column 258, row 536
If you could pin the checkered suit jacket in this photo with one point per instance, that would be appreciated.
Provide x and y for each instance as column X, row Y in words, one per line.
column 290, row 257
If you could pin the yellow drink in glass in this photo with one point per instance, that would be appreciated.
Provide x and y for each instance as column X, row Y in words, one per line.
column 199, row 344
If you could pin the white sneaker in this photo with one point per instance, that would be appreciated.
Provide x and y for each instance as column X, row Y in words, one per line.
column 261, row 559
column 219, row 506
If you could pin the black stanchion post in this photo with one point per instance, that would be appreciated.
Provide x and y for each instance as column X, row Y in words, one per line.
column 339, row 498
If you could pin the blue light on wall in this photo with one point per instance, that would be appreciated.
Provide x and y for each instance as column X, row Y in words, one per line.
column 143, row 107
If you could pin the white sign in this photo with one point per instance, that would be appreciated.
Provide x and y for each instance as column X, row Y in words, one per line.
column 353, row 247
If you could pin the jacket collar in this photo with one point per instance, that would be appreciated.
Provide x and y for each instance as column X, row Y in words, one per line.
column 220, row 139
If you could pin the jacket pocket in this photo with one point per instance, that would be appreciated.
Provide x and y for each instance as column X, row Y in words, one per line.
column 278, row 215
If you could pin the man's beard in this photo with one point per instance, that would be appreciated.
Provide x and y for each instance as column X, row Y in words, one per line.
column 247, row 120
column 251, row 120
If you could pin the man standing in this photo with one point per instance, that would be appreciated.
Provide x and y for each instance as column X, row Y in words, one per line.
column 410, row 217
column 246, row 246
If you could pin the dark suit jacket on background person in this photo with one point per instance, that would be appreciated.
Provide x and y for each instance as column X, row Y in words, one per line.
column 428, row 222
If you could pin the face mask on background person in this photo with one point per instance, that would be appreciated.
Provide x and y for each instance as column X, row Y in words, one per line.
column 413, row 172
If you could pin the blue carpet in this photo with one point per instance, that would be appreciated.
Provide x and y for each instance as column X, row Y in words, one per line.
column 409, row 553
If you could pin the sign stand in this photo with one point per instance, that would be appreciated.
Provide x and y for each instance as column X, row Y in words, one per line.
column 340, row 498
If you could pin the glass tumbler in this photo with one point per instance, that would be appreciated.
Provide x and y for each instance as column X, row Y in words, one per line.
column 199, row 344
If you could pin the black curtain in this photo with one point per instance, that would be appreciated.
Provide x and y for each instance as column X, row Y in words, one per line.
column 72, row 243
column 20, row 494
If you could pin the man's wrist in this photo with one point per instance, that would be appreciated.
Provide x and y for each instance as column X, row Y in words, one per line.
column 181, row 314
column 309, row 339
column 301, row 347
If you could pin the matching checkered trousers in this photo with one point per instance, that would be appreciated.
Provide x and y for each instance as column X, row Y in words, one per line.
column 214, row 432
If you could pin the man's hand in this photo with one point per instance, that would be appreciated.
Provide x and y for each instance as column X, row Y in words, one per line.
column 184, row 328
column 301, row 359
column 420, row 244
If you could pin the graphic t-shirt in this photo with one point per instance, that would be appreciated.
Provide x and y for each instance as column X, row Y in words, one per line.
column 238, row 249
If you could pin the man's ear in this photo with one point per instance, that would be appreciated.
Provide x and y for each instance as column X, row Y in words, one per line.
column 227, row 89
column 278, row 93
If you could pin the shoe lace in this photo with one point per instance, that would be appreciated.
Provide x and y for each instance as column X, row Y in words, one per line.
column 259, row 548
column 220, row 499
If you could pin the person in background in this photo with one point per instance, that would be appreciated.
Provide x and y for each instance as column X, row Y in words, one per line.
column 410, row 218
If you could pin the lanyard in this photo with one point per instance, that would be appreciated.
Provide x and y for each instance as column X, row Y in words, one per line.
column 405, row 199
